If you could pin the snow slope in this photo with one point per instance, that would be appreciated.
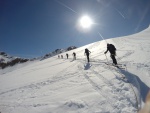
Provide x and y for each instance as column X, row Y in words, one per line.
column 65, row 86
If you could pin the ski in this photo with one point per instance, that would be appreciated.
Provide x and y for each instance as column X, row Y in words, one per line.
column 119, row 66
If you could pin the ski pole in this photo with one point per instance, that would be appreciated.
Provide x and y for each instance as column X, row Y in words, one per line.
column 106, row 58
column 124, row 64
column 107, row 61
column 118, row 58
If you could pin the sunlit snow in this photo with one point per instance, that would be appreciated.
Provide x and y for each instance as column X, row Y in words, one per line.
column 56, row 85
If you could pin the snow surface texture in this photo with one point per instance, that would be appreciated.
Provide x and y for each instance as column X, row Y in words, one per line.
column 58, row 85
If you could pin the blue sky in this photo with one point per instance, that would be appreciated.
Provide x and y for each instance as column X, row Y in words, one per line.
column 32, row 28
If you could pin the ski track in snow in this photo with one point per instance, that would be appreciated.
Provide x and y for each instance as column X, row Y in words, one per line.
column 56, row 78
column 113, row 89
column 67, row 86
column 32, row 88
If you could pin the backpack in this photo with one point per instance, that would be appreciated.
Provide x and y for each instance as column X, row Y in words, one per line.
column 86, row 51
column 112, row 47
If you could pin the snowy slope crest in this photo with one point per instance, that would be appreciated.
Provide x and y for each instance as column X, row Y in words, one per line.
column 56, row 85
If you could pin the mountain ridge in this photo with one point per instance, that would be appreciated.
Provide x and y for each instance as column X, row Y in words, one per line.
column 8, row 60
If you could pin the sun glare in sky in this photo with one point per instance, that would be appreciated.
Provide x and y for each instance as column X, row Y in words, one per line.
column 85, row 22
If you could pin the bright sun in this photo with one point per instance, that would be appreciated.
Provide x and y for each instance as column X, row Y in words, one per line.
column 86, row 22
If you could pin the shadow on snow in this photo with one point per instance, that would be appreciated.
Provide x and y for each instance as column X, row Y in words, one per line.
column 87, row 66
column 142, row 88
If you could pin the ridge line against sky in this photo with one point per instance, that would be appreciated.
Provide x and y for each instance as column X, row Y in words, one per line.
column 30, row 28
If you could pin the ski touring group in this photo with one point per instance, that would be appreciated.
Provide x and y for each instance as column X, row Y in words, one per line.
column 110, row 47
column 112, row 50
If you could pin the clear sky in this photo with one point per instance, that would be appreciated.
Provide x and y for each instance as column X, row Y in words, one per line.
column 32, row 28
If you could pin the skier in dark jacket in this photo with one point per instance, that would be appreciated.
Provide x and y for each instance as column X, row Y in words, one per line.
column 111, row 48
column 87, row 52
column 67, row 55
column 62, row 56
column 74, row 56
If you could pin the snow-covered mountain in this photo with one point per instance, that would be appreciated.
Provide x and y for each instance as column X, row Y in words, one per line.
column 7, row 60
column 56, row 85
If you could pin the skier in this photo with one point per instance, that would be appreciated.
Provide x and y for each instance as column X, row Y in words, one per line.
column 74, row 56
column 58, row 56
column 67, row 55
column 111, row 48
column 62, row 56
column 87, row 52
